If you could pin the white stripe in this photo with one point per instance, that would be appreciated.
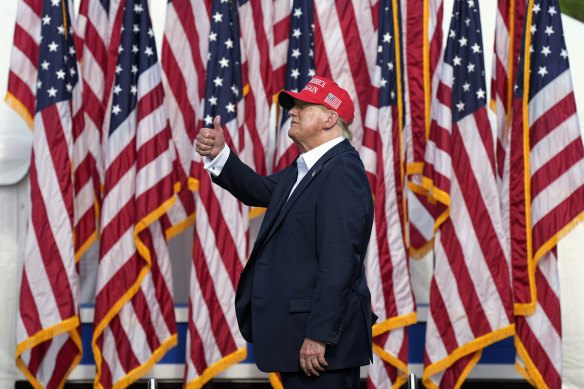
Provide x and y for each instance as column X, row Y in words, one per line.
column 434, row 347
column 117, row 256
column 555, row 141
column 117, row 141
column 93, row 75
column 556, row 192
column 549, row 96
column 440, row 160
column 29, row 21
column 118, row 197
column 420, row 217
column 23, row 68
column 373, row 276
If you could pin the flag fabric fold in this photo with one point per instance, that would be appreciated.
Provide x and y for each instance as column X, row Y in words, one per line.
column 547, row 200
column 470, row 292
column 221, row 234
column 48, row 326
column 387, row 260
column 134, row 322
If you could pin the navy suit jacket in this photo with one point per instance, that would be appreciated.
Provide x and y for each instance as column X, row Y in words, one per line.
column 305, row 276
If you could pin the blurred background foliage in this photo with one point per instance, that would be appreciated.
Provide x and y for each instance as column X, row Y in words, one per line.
column 573, row 8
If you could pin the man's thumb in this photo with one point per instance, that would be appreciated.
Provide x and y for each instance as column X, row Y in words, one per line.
column 217, row 123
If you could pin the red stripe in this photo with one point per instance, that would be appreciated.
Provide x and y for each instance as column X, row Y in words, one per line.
column 224, row 240
column 415, row 72
column 556, row 167
column 465, row 287
column 356, row 54
column 26, row 44
column 123, row 346
column 27, row 308
column 220, row 327
column 117, row 286
column 443, row 327
column 453, row 372
column 265, row 69
column 163, row 294
column 120, row 166
column 150, row 102
column 537, row 354
column 22, row 92
column 143, row 314
column 483, row 127
column 258, row 150
column 281, row 30
column 118, row 225
column 547, row 298
column 48, row 248
column 197, row 349
column 66, row 356
column 286, row 159
column 94, row 109
column 558, row 218
column 185, row 15
column 551, row 119
column 320, row 59
column 178, row 86
column 95, row 44
column 150, row 200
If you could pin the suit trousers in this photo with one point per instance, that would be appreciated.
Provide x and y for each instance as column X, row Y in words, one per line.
column 329, row 379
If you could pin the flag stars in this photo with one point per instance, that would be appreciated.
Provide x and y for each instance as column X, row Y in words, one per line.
column 71, row 50
column 136, row 28
column 208, row 120
column 60, row 74
column 542, row 71
column 295, row 73
column 117, row 89
column 536, row 8
column 61, row 30
column 471, row 3
column 148, row 51
column 133, row 90
column 546, row 50
column 235, row 90
column 72, row 71
column 69, row 87
column 533, row 29
column 383, row 83
column 457, row 60
column 476, row 48
column 549, row 30
column 55, row 3
column 151, row 32
column 466, row 87
column 212, row 100
column 218, row 81
column 390, row 66
column 218, row 17
column 116, row 109
column 213, row 37
column 120, row 49
column 460, row 106
column 134, row 69
column 230, row 107
column 387, row 38
column 53, row 47
column 452, row 34
column 296, row 53
column 296, row 33
column 118, row 68
column 135, row 49
column 224, row 62
column 311, row 72
column 462, row 41
column 297, row 12
column 45, row 65
column 46, row 20
column 229, row 43
column 52, row 92
column 467, row 21
column 470, row 67
column 480, row 93
column 564, row 54
column 552, row 10
column 138, row 8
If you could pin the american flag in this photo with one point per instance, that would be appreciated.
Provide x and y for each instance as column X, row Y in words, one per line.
column 299, row 70
column 134, row 322
column 184, row 54
column 387, row 260
column 94, row 27
column 345, row 46
column 547, row 199
column 471, row 303
column 221, row 235
column 48, row 328
column 264, row 37
column 422, row 32
column 21, row 92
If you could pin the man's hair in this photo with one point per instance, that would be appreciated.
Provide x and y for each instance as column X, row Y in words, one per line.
column 341, row 123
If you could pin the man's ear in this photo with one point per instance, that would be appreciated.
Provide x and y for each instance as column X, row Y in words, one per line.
column 331, row 120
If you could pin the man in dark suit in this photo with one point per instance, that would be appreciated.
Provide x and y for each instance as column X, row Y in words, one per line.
column 302, row 298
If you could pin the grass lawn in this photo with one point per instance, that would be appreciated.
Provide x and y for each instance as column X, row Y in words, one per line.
column 574, row 8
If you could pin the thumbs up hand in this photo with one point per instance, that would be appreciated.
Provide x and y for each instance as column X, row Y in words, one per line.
column 210, row 142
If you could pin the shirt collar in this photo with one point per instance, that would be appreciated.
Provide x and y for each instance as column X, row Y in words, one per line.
column 310, row 157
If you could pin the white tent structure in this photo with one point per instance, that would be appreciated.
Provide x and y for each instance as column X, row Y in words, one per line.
column 15, row 149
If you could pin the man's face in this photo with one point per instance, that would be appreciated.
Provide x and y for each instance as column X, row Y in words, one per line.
column 307, row 124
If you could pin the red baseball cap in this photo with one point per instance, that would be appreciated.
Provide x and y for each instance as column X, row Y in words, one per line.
column 323, row 91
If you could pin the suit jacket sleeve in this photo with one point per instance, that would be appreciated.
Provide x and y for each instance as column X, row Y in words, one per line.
column 245, row 184
column 344, row 215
